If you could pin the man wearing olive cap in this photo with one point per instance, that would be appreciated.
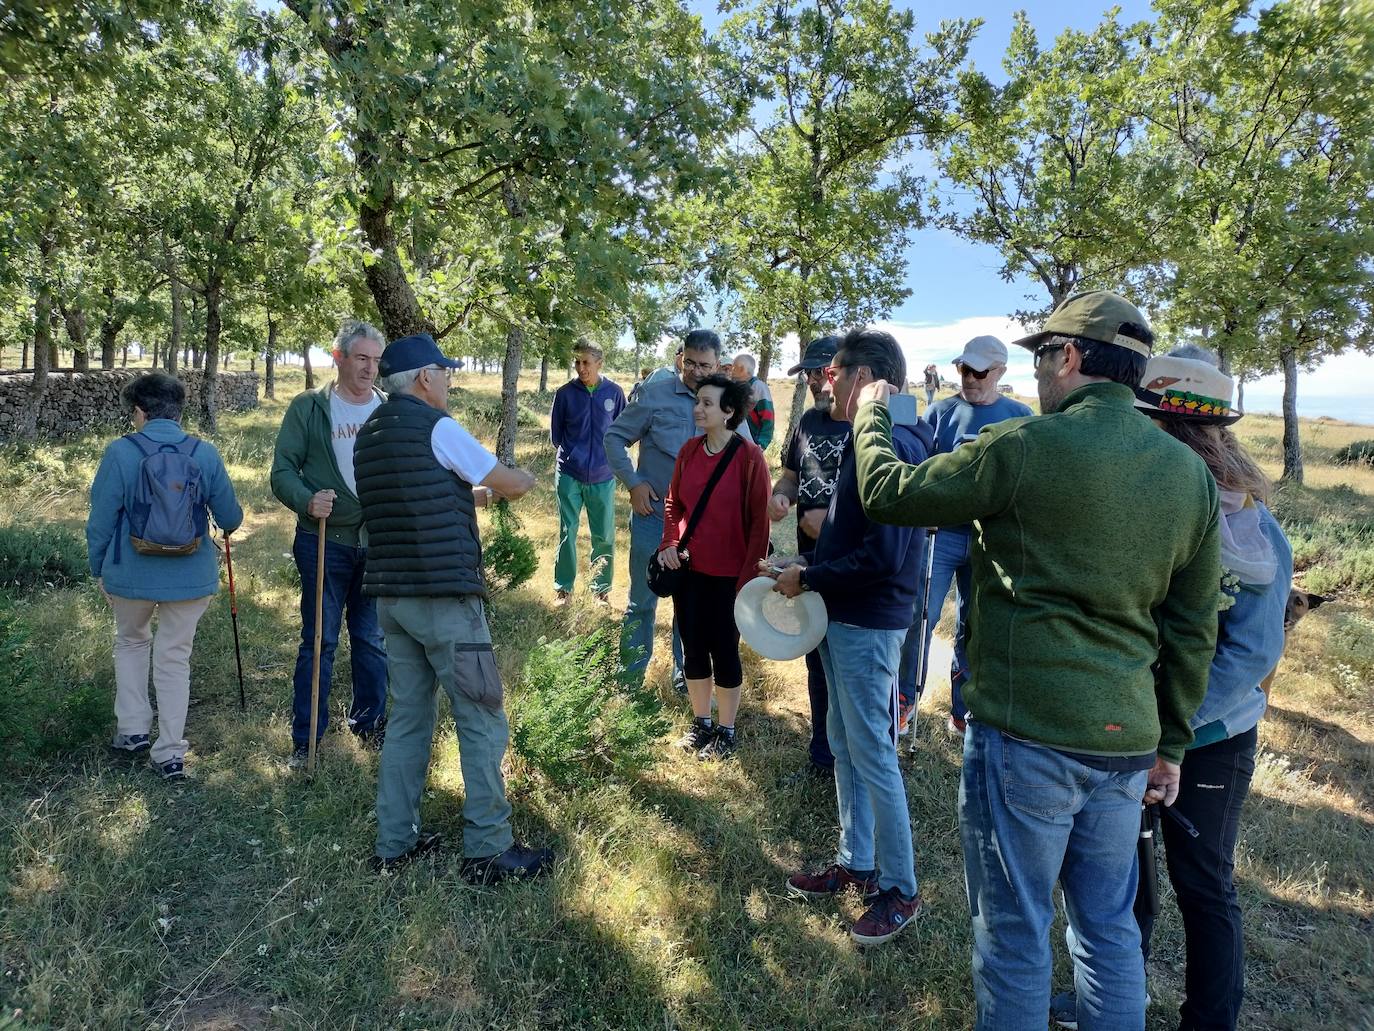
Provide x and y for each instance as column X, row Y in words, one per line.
column 1096, row 572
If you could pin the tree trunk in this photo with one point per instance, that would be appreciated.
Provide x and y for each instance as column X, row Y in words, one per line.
column 124, row 362
column 309, row 372
column 1240, row 394
column 766, row 355
column 1292, row 449
column 24, row 356
column 42, row 339
column 269, row 360
column 209, row 414
column 156, row 351
column 109, row 335
column 178, row 317
column 510, row 381
column 386, row 277
column 543, row 373
column 75, row 319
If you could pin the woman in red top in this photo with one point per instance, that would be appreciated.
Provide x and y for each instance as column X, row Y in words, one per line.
column 726, row 546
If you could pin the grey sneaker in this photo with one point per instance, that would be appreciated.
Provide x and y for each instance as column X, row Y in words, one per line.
column 132, row 743
column 172, row 769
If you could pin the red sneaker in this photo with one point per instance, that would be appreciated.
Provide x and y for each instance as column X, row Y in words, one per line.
column 956, row 726
column 889, row 916
column 830, row 881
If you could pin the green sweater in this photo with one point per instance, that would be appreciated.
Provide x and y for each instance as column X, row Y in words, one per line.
column 1096, row 568
column 304, row 463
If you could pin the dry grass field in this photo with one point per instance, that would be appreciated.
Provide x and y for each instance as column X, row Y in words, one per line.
column 241, row 899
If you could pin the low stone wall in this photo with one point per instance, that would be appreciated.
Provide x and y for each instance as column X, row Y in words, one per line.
column 80, row 401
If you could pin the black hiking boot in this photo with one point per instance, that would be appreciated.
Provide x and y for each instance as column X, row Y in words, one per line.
column 424, row 844
column 698, row 736
column 516, row 863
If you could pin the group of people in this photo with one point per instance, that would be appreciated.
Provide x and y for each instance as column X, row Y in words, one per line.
column 1120, row 588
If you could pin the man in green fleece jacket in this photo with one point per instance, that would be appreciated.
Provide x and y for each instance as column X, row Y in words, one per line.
column 1096, row 576
column 312, row 474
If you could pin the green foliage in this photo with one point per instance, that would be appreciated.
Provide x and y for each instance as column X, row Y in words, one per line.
column 1361, row 452
column 578, row 720
column 509, row 556
column 41, row 556
column 46, row 711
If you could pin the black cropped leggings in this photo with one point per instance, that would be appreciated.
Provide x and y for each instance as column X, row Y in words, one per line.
column 705, row 608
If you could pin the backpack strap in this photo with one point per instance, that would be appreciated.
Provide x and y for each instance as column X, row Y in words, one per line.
column 716, row 474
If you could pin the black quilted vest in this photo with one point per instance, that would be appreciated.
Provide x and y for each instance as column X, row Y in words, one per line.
column 421, row 522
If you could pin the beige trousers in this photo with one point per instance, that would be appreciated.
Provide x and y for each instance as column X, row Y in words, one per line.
column 169, row 652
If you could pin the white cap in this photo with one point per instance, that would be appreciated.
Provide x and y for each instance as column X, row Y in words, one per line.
column 982, row 353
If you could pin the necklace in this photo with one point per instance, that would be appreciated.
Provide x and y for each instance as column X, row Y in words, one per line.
column 706, row 446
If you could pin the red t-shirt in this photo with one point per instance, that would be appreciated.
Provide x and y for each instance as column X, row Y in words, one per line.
column 732, row 535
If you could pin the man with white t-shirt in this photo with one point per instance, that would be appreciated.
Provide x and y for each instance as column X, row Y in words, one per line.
column 417, row 469
column 312, row 474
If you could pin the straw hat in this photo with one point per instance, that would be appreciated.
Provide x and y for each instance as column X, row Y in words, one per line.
column 1186, row 389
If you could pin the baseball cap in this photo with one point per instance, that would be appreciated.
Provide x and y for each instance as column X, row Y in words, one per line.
column 413, row 352
column 819, row 353
column 1097, row 315
column 982, row 353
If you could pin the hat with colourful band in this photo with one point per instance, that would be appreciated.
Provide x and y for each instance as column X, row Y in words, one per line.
column 1188, row 390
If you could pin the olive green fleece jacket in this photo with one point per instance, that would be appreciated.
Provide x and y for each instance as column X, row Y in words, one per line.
column 303, row 463
column 1096, row 568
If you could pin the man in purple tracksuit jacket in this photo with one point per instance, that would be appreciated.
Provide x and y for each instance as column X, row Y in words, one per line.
column 583, row 408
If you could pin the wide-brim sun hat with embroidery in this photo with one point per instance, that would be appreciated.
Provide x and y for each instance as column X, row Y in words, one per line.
column 1188, row 390
column 776, row 627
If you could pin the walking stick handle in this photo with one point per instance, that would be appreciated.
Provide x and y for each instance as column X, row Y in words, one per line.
column 319, row 631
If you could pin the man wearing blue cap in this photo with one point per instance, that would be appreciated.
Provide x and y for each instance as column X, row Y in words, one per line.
column 416, row 471
column 312, row 474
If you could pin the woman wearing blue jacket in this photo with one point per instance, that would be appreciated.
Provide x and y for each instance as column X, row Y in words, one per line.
column 138, row 583
column 1190, row 399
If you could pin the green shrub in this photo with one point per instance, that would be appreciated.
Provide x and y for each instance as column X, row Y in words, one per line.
column 508, row 555
column 1361, row 452
column 578, row 719
column 42, row 556
column 45, row 712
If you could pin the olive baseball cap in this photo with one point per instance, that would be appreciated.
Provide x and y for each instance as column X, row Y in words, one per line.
column 1097, row 315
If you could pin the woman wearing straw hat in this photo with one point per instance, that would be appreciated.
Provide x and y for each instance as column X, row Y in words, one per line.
column 1189, row 398
column 728, row 539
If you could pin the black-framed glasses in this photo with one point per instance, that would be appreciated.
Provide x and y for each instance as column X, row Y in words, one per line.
column 1038, row 355
column 687, row 363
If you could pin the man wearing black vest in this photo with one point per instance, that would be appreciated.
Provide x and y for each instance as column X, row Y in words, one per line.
column 416, row 468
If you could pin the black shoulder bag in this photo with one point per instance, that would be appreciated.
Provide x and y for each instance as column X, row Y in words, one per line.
column 663, row 581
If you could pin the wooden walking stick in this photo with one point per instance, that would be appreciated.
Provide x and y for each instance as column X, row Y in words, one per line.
column 315, row 662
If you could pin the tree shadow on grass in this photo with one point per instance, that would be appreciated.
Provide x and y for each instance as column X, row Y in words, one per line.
column 1338, row 759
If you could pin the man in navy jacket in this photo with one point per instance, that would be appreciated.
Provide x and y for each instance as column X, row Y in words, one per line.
column 866, row 572
column 583, row 408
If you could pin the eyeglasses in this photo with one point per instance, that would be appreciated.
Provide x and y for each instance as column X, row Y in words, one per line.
column 969, row 370
column 1038, row 355
column 687, row 363
column 832, row 373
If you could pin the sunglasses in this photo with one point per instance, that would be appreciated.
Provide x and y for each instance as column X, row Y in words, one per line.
column 1038, row 355
column 969, row 370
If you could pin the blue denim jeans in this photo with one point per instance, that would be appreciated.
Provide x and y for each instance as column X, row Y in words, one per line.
column 637, row 630
column 343, row 593
column 1030, row 816
column 875, row 825
column 951, row 563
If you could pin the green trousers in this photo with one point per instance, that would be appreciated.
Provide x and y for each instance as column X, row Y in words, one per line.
column 432, row 642
column 599, row 498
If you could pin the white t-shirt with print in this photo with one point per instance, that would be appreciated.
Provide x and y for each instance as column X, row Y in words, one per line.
column 458, row 451
column 346, row 419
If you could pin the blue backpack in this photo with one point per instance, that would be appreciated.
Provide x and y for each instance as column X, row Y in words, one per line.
column 168, row 516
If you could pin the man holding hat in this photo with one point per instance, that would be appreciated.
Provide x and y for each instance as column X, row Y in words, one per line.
column 416, row 471
column 956, row 420
column 312, row 474
column 810, row 466
column 1096, row 565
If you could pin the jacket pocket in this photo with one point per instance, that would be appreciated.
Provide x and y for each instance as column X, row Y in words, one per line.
column 475, row 675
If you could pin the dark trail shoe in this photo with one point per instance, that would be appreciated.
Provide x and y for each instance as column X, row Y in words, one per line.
column 516, row 863
column 424, row 844
column 721, row 745
column 831, row 881
column 888, row 916
column 698, row 736
column 173, row 769
column 300, row 758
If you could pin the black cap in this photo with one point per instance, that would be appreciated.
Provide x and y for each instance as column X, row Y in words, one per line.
column 819, row 354
column 413, row 352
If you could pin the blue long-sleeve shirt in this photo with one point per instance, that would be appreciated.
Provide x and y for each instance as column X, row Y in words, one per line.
column 154, row 577
column 866, row 572
column 578, row 424
column 1249, row 646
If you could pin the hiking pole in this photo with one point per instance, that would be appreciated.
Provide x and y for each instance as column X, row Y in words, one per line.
column 234, row 618
column 315, row 662
column 1147, row 887
column 922, row 652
